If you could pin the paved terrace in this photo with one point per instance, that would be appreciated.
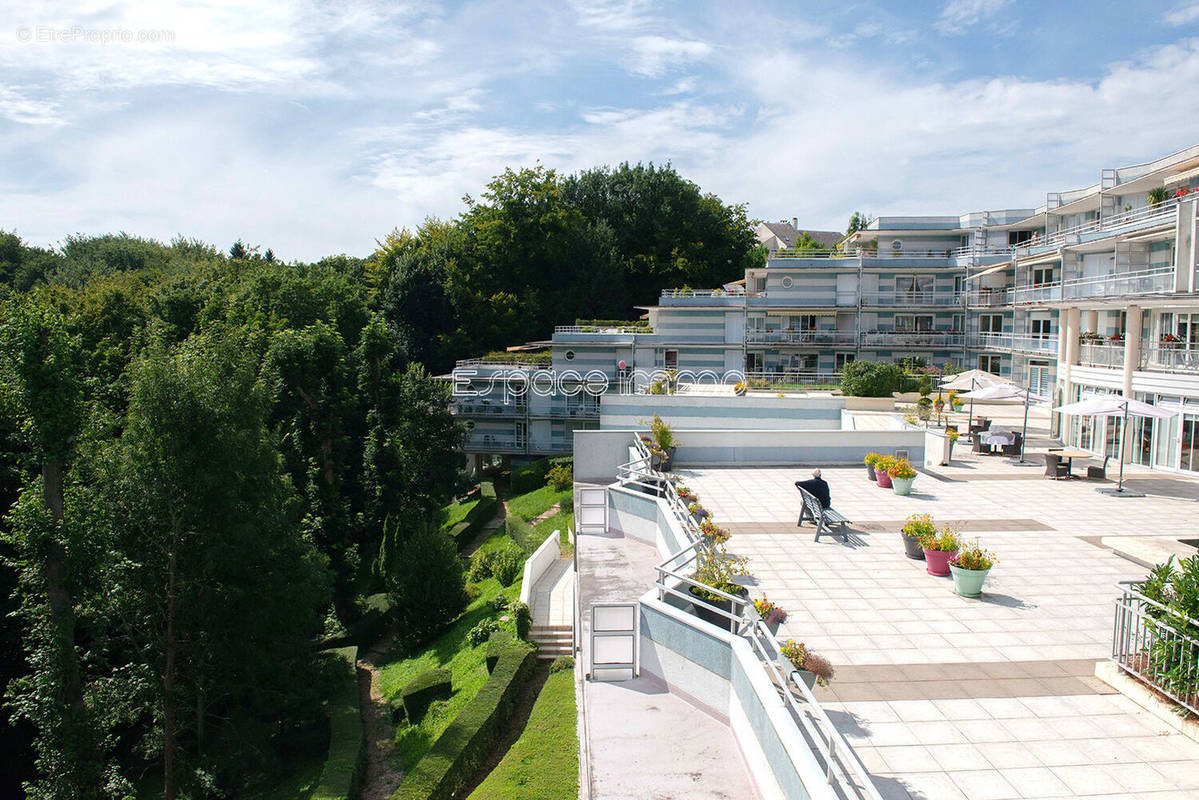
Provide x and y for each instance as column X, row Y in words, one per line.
column 945, row 697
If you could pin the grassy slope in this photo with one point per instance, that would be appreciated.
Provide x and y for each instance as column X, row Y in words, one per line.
column 456, row 512
column 450, row 650
column 559, row 522
column 543, row 764
column 532, row 504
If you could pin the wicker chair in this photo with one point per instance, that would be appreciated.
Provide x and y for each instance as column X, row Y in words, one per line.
column 1014, row 448
column 1098, row 473
column 1056, row 468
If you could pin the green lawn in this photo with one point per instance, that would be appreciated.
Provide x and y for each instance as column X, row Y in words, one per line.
column 450, row 650
column 456, row 512
column 560, row 522
column 533, row 504
column 543, row 764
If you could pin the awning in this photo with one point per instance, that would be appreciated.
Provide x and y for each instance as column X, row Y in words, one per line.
column 989, row 270
column 1181, row 177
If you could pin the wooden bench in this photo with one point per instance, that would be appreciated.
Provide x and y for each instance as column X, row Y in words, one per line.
column 824, row 518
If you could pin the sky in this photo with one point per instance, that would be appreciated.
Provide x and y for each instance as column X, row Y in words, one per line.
column 317, row 127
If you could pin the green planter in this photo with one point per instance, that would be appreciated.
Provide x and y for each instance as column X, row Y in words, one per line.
column 968, row 582
column 902, row 486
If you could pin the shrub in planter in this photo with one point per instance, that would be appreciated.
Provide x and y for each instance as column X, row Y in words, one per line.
column 969, row 567
column 716, row 569
column 813, row 669
column 902, row 475
column 881, row 466
column 430, row 685
column 871, row 460
column 773, row 615
column 664, row 443
column 953, row 436
column 938, row 548
column 915, row 528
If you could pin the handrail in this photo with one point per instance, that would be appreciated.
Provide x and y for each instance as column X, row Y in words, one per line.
column 600, row 329
column 1157, row 644
column 1163, row 209
column 843, row 770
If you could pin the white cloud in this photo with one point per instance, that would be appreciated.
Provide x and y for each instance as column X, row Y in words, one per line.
column 958, row 15
column 15, row 106
column 1182, row 14
column 653, row 56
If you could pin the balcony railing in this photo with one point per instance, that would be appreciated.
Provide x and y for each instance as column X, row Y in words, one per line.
column 573, row 330
column 1170, row 359
column 1018, row 342
column 990, row 298
column 801, row 337
column 904, row 339
column 488, row 409
column 572, row 411
column 701, row 293
column 925, row 298
column 1158, row 645
column 1140, row 218
column 1046, row 293
column 1101, row 355
column 496, row 444
column 1144, row 281
column 783, row 377
column 882, row 252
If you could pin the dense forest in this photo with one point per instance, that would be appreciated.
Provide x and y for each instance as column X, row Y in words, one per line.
column 209, row 458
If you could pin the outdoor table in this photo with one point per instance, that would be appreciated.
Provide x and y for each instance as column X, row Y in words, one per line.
column 1071, row 453
column 997, row 437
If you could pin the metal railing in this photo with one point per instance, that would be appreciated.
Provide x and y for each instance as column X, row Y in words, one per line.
column 753, row 336
column 1045, row 293
column 990, row 297
column 1158, row 645
column 495, row 444
column 601, row 329
column 1140, row 218
column 701, row 293
column 1101, row 355
column 514, row 364
column 894, row 339
column 882, row 252
column 843, row 770
column 784, row 377
column 1170, row 359
column 917, row 298
column 489, row 409
column 1145, row 281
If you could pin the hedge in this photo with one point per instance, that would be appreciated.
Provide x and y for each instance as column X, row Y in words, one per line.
column 522, row 533
column 432, row 684
column 465, row 531
column 532, row 476
column 457, row 754
column 342, row 775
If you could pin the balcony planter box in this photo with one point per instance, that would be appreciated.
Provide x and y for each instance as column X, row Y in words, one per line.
column 912, row 548
column 902, row 486
column 704, row 609
column 786, row 667
column 882, row 479
column 938, row 562
column 968, row 582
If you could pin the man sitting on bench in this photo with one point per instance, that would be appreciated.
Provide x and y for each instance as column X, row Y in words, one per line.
column 817, row 487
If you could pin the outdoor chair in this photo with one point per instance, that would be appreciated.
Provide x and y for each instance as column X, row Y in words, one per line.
column 977, row 443
column 1056, row 468
column 824, row 518
column 1012, row 449
column 1098, row 473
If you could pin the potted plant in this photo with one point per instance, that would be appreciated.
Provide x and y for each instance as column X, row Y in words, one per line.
column 954, row 401
column 697, row 511
column 939, row 404
column 813, row 669
column 713, row 533
column 685, row 494
column 1157, row 196
column 952, row 435
column 739, row 389
column 881, row 466
column 938, row 549
column 663, row 437
column 771, row 614
column 1170, row 341
column 969, row 567
column 716, row 569
column 924, row 408
column 916, row 527
column 902, row 476
column 871, row 460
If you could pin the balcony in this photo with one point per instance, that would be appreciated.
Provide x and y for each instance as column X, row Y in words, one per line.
column 1018, row 342
column 487, row 409
column 899, row 340
column 801, row 338
column 585, row 333
column 571, row 411
column 1170, row 359
column 495, row 444
column 1045, row 293
column 1110, row 356
column 701, row 297
column 990, row 297
column 912, row 299
column 1134, row 221
column 1145, row 281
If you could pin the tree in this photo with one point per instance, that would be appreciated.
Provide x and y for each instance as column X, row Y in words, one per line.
column 857, row 221
column 39, row 373
column 221, row 593
column 238, row 251
column 806, row 244
column 425, row 580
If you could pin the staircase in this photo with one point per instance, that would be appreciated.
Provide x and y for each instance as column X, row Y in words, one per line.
column 553, row 640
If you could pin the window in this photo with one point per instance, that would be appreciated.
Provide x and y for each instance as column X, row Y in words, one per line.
column 914, row 286
column 787, row 282
column 1040, row 329
column 990, row 323
column 1042, row 276
column 989, row 364
column 804, row 322
column 959, row 284
column 1018, row 237
column 753, row 362
column 570, row 355
column 670, row 359
column 841, row 359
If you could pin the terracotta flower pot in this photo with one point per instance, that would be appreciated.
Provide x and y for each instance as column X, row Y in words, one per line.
column 938, row 562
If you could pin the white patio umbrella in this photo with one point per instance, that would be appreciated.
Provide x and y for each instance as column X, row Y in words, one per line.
column 1116, row 405
column 1007, row 391
column 970, row 380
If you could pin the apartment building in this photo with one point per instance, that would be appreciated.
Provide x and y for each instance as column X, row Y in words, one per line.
column 1093, row 291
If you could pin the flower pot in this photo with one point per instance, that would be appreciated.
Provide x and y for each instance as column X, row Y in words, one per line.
column 667, row 459
column 773, row 627
column 809, row 678
column 968, row 582
column 958, row 406
column 870, row 473
column 938, row 561
column 705, row 609
column 882, row 479
column 786, row 667
column 902, row 486
column 912, row 548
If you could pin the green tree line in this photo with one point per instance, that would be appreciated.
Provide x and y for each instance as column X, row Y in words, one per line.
column 209, row 458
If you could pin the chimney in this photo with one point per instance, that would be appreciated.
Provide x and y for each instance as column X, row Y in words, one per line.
column 795, row 222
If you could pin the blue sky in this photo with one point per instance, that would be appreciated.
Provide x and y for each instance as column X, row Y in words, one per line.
column 315, row 130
